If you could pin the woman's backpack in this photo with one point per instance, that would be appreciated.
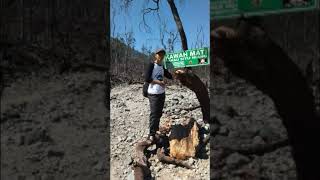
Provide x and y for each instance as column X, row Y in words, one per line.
column 145, row 89
column 146, row 84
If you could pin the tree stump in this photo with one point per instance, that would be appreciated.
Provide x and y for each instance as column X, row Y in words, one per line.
column 184, row 140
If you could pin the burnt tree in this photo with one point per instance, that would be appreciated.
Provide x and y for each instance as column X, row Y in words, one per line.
column 179, row 24
column 193, row 82
column 250, row 54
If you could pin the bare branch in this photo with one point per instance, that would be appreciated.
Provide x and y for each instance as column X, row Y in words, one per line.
column 146, row 11
column 125, row 5
column 168, row 38
column 162, row 36
column 113, row 21
column 200, row 38
column 173, row 37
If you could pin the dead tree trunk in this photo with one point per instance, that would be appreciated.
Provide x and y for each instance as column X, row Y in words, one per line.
column 179, row 24
column 188, row 78
column 250, row 54
column 194, row 83
column 140, row 166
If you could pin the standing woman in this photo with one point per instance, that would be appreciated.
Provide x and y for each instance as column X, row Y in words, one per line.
column 156, row 90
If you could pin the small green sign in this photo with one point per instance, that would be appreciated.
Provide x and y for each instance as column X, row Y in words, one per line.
column 234, row 8
column 188, row 58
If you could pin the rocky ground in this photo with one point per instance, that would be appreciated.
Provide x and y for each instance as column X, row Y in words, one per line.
column 54, row 127
column 247, row 119
column 129, row 124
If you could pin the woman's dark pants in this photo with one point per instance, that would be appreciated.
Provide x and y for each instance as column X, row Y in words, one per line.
column 156, row 106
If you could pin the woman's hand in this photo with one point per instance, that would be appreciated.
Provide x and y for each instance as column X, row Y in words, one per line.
column 161, row 83
column 177, row 72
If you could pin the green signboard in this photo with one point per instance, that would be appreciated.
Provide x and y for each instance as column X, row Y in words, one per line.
column 235, row 8
column 188, row 58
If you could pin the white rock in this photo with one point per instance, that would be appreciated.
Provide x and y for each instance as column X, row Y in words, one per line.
column 157, row 169
column 190, row 161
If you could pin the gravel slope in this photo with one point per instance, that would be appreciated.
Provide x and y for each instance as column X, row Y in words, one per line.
column 54, row 127
column 248, row 119
column 129, row 123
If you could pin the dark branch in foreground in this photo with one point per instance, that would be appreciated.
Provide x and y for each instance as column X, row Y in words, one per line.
column 140, row 162
column 250, row 54
column 166, row 159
